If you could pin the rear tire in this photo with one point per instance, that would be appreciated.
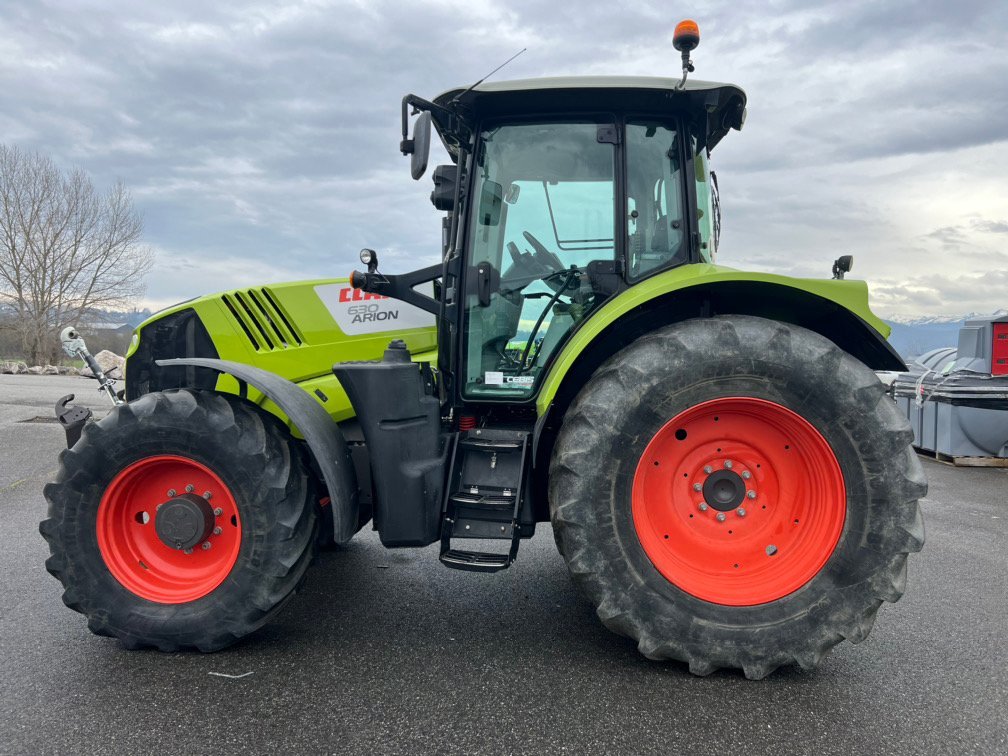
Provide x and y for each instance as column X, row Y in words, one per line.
column 131, row 585
column 659, row 568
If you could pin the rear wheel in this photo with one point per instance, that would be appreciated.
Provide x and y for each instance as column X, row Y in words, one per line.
column 736, row 492
column 182, row 519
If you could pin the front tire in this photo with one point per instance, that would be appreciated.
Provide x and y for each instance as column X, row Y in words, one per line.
column 736, row 492
column 215, row 473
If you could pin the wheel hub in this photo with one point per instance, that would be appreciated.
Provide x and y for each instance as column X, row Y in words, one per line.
column 724, row 490
column 184, row 521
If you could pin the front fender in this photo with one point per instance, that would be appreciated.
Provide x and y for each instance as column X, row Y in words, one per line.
column 320, row 431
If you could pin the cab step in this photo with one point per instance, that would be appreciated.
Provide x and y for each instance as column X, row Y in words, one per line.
column 475, row 561
column 485, row 487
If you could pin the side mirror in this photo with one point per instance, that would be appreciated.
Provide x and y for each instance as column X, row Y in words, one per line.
column 419, row 146
column 491, row 198
column 842, row 265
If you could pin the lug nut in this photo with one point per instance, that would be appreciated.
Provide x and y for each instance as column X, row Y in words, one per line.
column 728, row 464
column 697, row 487
column 771, row 550
column 741, row 512
column 171, row 492
column 206, row 545
column 703, row 506
column 708, row 469
column 218, row 530
column 187, row 551
column 190, row 488
column 746, row 475
column 207, row 495
column 751, row 494
column 218, row 512
column 720, row 516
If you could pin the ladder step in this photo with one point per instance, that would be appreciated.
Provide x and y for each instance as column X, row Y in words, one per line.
column 489, row 444
column 486, row 479
column 475, row 561
column 476, row 500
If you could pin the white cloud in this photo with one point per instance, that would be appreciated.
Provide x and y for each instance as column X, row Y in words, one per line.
column 260, row 139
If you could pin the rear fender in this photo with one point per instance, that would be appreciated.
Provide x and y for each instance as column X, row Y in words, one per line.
column 836, row 309
column 320, row 431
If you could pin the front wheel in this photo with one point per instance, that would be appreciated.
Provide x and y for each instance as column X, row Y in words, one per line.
column 183, row 519
column 736, row 492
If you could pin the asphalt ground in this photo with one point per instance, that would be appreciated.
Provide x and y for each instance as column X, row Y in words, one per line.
column 389, row 652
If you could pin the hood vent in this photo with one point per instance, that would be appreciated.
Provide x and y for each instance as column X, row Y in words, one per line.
column 263, row 321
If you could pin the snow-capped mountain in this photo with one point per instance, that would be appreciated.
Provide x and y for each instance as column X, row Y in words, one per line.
column 913, row 335
column 920, row 320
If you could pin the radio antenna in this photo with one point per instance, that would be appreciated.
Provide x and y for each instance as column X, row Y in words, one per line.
column 470, row 89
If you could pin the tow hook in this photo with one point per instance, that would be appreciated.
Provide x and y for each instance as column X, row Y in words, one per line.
column 73, row 419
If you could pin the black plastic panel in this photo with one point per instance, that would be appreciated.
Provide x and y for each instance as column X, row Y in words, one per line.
column 181, row 334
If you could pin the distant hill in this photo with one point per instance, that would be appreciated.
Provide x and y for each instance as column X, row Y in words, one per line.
column 912, row 336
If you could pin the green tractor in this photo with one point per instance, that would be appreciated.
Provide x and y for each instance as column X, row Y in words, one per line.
column 724, row 474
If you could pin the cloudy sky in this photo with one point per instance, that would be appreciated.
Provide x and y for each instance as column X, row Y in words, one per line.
column 260, row 139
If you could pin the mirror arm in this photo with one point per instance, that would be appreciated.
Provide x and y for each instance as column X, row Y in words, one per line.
column 400, row 286
column 450, row 118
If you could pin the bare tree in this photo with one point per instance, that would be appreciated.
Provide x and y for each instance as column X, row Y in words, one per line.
column 65, row 248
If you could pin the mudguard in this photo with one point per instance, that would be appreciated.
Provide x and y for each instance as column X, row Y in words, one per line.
column 320, row 431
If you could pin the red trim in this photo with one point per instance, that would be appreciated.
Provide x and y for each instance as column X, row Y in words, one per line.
column 788, row 531
column 135, row 555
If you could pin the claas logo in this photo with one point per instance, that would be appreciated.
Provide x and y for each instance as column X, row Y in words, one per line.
column 356, row 295
column 366, row 313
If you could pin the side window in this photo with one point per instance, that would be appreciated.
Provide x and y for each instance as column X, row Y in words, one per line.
column 706, row 196
column 656, row 238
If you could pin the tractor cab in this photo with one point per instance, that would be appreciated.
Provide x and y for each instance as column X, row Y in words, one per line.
column 562, row 193
column 577, row 189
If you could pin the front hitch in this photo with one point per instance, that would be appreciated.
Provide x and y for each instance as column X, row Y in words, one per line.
column 73, row 419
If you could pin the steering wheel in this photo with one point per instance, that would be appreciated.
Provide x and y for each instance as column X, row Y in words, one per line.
column 542, row 255
column 525, row 268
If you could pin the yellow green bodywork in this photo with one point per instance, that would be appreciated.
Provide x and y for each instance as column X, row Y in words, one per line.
column 309, row 363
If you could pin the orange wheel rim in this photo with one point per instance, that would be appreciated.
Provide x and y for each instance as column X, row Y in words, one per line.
column 129, row 541
column 738, row 501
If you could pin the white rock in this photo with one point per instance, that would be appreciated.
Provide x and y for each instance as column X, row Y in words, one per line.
column 110, row 362
column 34, row 370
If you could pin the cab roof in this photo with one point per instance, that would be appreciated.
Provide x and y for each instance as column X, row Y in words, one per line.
column 715, row 106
